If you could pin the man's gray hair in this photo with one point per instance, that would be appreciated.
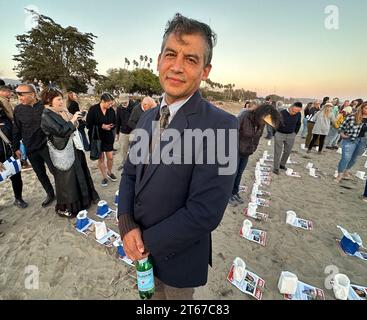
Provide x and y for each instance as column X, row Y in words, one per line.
column 181, row 25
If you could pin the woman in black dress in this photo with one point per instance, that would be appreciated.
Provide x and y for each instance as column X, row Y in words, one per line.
column 103, row 117
column 74, row 186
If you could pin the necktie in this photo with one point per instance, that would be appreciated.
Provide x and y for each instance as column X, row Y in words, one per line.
column 163, row 120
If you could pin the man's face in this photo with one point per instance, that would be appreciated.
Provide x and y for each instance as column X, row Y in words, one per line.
column 5, row 93
column 25, row 95
column 294, row 110
column 181, row 66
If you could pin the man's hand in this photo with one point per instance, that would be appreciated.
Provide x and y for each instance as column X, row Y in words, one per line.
column 134, row 246
column 117, row 137
column 18, row 154
column 107, row 127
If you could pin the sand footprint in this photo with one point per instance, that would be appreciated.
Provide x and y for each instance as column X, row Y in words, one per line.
column 59, row 270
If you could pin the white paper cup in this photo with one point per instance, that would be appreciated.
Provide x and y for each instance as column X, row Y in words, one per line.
column 291, row 217
column 303, row 146
column 336, row 173
column 312, row 172
column 309, row 165
column 253, row 198
column 287, row 283
column 269, row 143
column 341, row 284
column 365, row 165
column 251, row 209
column 246, row 228
column 262, row 161
column 255, row 189
column 239, row 268
column 101, row 230
column 265, row 154
column 289, row 171
column 360, row 174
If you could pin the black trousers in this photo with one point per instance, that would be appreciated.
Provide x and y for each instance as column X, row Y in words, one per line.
column 38, row 160
column 314, row 139
column 17, row 184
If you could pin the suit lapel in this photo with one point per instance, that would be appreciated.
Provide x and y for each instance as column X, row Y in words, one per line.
column 179, row 123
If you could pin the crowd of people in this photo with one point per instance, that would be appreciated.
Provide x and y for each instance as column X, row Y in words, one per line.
column 339, row 126
column 52, row 130
column 165, row 211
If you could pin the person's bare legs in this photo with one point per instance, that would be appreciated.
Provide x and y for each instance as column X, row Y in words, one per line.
column 102, row 165
column 109, row 156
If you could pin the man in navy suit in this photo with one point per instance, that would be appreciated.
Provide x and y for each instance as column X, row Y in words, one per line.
column 168, row 209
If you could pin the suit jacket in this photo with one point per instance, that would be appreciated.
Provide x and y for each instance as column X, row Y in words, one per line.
column 177, row 206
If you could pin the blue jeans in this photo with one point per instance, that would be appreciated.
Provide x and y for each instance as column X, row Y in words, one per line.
column 304, row 129
column 242, row 163
column 351, row 150
column 332, row 138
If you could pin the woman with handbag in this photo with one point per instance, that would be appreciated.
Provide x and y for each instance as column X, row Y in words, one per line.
column 101, row 120
column 74, row 186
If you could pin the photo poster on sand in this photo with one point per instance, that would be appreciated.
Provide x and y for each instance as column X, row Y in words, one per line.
column 357, row 292
column 302, row 223
column 306, row 292
column 251, row 283
column 107, row 240
column 258, row 216
column 256, row 235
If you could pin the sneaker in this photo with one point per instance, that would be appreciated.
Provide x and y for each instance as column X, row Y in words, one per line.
column 104, row 183
column 276, row 171
column 120, row 168
column 112, row 176
column 20, row 203
column 238, row 198
column 283, row 167
column 364, row 199
column 65, row 213
column 26, row 167
column 232, row 202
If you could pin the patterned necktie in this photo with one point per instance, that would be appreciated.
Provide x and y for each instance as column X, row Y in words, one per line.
column 163, row 120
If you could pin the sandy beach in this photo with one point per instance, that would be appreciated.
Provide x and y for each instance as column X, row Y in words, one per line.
column 73, row 266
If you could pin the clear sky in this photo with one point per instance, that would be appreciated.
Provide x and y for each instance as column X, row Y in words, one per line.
column 270, row 46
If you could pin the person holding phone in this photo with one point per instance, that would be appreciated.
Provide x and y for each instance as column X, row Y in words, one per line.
column 73, row 106
column 74, row 185
column 103, row 116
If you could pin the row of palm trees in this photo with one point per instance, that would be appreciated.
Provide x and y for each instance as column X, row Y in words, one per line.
column 216, row 85
column 145, row 60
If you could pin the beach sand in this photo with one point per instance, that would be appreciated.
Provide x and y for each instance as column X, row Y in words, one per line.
column 73, row 266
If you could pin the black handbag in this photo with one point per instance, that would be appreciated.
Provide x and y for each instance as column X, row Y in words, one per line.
column 95, row 144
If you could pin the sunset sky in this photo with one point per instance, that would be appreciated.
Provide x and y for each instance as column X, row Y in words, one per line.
column 268, row 46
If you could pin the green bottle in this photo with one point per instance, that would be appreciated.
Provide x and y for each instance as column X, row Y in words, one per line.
column 145, row 277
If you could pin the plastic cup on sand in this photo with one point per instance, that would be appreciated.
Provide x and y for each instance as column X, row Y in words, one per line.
column 291, row 217
column 341, row 284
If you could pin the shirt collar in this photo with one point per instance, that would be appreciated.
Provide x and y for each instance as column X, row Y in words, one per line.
column 174, row 107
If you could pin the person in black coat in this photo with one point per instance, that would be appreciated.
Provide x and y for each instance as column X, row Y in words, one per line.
column 73, row 106
column 74, row 186
column 5, row 153
column 102, row 117
column 123, row 130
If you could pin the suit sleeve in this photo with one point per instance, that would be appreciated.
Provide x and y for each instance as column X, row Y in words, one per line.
column 208, row 197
